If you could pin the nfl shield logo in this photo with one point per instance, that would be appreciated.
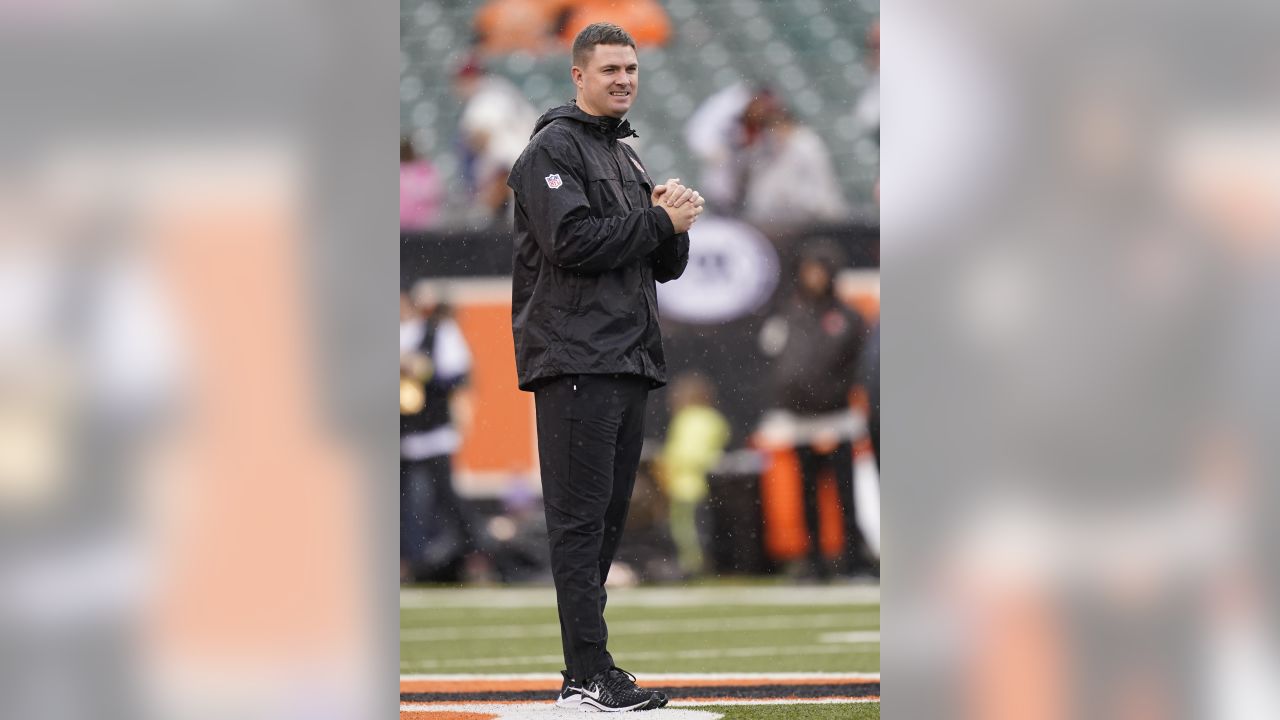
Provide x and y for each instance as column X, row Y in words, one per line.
column 553, row 181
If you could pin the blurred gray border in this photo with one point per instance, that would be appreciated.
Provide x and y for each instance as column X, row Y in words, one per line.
column 352, row 193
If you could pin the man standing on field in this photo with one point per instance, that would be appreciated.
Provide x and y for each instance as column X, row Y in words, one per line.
column 592, row 236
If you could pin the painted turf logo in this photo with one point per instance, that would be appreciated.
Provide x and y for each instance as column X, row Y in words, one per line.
column 554, row 181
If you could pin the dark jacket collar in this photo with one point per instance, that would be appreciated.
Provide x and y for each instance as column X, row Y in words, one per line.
column 614, row 128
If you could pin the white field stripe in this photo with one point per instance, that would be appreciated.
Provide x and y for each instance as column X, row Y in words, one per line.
column 653, row 677
column 860, row 636
column 673, row 711
column 648, row 627
column 467, row 598
column 547, row 710
column 776, row 701
column 770, row 651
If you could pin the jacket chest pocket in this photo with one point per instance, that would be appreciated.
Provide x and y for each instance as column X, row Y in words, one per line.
column 613, row 195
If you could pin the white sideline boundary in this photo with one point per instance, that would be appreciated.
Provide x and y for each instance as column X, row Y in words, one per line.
column 698, row 654
column 738, row 596
column 845, row 621
column 548, row 711
column 654, row 677
column 675, row 710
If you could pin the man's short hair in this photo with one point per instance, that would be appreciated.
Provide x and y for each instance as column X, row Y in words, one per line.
column 601, row 33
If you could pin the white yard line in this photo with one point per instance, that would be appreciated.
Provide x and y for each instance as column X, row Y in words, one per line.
column 677, row 710
column 682, row 626
column 654, row 677
column 777, row 701
column 466, row 598
column 541, row 711
column 860, row 636
column 769, row 651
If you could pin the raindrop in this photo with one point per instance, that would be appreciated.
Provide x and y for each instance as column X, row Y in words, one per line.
column 537, row 86
column 778, row 52
column 440, row 37
column 809, row 102
column 683, row 9
column 727, row 76
column 822, row 28
column 842, row 51
column 424, row 113
column 520, row 62
column 808, row 7
column 427, row 14
column 663, row 78
column 410, row 88
column 660, row 156
column 714, row 55
column 792, row 77
column 424, row 139
column 696, row 32
column 759, row 29
column 866, row 151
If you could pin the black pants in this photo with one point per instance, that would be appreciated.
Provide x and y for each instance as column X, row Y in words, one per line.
column 590, row 428
column 855, row 553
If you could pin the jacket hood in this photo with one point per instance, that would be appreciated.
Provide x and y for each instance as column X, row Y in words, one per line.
column 611, row 127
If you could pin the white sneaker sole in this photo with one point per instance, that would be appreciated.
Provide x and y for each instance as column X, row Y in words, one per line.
column 570, row 703
column 589, row 705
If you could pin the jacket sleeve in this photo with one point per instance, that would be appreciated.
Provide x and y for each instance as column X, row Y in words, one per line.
column 562, row 223
column 671, row 257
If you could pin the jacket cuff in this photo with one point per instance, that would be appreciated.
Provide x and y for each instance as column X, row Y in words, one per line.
column 665, row 225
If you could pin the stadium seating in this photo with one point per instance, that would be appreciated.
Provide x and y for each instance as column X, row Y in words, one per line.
column 811, row 50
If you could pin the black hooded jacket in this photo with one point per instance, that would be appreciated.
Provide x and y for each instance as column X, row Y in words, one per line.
column 588, row 250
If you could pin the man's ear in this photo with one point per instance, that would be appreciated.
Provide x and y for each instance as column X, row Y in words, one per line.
column 576, row 73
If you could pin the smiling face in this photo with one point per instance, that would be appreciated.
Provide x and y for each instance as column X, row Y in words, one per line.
column 607, row 84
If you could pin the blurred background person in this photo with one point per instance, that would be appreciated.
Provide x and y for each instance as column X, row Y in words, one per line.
column 420, row 190
column 715, row 135
column 506, row 26
column 869, row 379
column 787, row 178
column 696, row 439
column 435, row 365
column 541, row 27
column 816, row 343
column 759, row 163
column 516, row 538
column 645, row 20
column 494, row 127
column 866, row 109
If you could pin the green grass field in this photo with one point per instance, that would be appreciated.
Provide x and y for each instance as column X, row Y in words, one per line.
column 838, row 711
column 723, row 628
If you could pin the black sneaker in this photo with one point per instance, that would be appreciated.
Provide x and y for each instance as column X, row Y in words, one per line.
column 615, row 690
column 570, row 693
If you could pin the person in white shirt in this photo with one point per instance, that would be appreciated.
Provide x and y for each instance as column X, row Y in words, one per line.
column 435, row 366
